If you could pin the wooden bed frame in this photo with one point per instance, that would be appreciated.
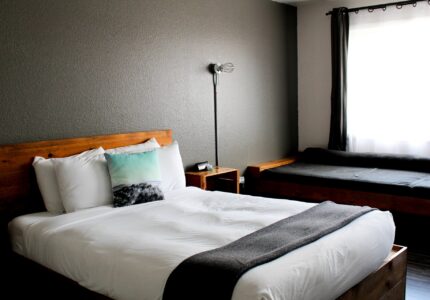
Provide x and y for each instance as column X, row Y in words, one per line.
column 19, row 194
column 258, row 184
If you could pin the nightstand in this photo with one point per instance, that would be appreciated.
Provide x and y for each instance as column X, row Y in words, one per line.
column 219, row 179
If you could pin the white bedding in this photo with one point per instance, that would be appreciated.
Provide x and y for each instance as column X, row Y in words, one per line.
column 128, row 253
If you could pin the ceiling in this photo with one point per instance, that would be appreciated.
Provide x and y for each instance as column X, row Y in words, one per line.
column 357, row 2
column 297, row 2
column 293, row 1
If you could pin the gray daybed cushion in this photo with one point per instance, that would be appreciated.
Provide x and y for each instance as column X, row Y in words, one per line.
column 399, row 175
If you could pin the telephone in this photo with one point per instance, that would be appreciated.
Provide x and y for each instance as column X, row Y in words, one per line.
column 203, row 166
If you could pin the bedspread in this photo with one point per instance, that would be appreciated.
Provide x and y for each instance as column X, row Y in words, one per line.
column 129, row 252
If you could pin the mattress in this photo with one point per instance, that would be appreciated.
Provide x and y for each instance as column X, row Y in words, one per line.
column 129, row 252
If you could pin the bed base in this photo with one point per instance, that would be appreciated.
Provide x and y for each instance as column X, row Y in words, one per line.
column 388, row 282
column 29, row 280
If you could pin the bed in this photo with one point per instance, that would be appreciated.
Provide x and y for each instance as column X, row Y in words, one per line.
column 100, row 250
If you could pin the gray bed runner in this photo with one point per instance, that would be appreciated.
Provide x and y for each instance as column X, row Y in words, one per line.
column 213, row 274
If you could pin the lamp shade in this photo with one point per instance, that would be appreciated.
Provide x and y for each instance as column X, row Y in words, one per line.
column 224, row 68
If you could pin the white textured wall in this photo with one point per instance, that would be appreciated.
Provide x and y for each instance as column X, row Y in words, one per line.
column 314, row 68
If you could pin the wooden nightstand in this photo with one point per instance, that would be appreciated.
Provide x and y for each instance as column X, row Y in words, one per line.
column 220, row 179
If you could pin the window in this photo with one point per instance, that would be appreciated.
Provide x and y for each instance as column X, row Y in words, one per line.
column 388, row 108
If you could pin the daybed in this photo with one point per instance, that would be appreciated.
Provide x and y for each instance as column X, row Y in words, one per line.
column 390, row 182
column 128, row 252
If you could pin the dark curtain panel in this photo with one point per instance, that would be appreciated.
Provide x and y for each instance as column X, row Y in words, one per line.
column 339, row 54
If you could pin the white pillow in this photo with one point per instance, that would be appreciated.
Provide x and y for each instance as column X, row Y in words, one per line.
column 47, row 181
column 149, row 145
column 83, row 182
column 171, row 167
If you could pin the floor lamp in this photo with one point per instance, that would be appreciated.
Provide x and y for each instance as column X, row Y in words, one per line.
column 217, row 69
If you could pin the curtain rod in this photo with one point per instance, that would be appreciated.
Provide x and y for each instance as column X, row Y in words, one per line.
column 371, row 8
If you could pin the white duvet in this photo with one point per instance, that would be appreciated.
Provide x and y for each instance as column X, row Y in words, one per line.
column 128, row 253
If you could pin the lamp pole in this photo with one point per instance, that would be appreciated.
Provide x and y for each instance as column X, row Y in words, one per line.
column 216, row 69
column 215, row 81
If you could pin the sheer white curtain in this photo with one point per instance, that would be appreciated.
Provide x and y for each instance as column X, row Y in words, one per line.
column 388, row 96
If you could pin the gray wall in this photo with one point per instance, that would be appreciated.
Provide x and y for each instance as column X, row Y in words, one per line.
column 78, row 68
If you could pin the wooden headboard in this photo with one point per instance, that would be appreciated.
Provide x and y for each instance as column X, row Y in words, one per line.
column 18, row 187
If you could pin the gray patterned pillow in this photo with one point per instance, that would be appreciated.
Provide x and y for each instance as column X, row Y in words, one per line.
column 124, row 195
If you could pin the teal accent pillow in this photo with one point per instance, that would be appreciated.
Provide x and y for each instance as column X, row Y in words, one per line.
column 134, row 168
column 134, row 177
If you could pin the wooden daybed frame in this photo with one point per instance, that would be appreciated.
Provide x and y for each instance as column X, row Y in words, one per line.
column 258, row 184
column 19, row 195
